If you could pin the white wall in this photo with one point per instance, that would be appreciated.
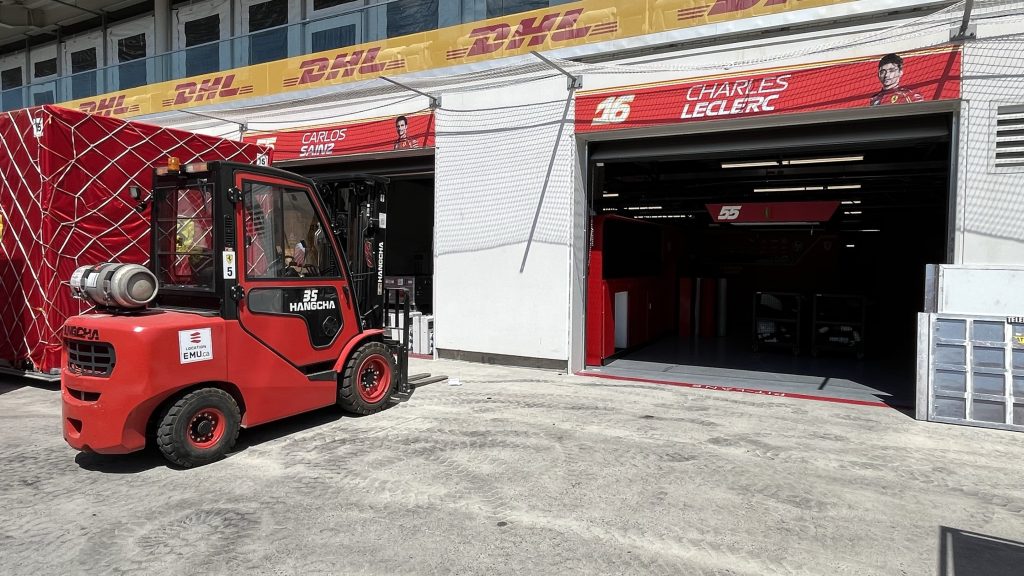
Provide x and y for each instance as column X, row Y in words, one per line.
column 494, row 148
column 990, row 219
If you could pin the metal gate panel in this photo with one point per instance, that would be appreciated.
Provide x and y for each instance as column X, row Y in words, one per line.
column 974, row 370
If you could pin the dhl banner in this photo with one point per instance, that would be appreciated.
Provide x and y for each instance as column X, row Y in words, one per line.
column 561, row 26
column 873, row 81
column 402, row 132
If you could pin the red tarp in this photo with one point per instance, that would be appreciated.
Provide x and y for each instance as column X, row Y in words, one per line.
column 64, row 202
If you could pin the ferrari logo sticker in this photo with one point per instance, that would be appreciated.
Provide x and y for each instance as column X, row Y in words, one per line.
column 230, row 270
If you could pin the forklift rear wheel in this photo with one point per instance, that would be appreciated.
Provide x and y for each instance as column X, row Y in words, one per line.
column 368, row 380
column 199, row 428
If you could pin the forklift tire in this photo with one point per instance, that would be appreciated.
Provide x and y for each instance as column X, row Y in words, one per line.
column 368, row 380
column 199, row 428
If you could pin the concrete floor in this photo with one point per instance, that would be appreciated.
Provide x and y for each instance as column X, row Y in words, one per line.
column 527, row 472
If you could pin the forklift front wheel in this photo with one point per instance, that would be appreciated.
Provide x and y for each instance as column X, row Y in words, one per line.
column 368, row 380
column 199, row 428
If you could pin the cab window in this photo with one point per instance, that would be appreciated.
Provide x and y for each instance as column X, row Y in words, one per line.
column 185, row 236
column 284, row 238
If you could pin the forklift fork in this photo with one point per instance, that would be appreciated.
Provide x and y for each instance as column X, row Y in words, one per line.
column 398, row 299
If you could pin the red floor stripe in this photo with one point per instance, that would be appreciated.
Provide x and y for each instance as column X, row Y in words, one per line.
column 736, row 389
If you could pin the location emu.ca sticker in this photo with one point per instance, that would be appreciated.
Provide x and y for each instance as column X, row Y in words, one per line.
column 195, row 345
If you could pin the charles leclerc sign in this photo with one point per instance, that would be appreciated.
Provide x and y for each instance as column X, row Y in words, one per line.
column 872, row 81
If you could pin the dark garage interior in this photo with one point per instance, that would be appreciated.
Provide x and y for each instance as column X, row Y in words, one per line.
column 790, row 258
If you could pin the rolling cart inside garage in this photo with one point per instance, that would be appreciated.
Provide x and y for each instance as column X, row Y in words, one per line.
column 838, row 324
column 777, row 318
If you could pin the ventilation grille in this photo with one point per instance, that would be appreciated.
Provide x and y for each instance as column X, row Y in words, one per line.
column 229, row 231
column 90, row 358
column 1010, row 137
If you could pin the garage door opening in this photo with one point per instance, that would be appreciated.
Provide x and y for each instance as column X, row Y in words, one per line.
column 410, row 232
column 786, row 260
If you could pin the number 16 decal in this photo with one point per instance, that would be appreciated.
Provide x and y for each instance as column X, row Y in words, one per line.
column 613, row 110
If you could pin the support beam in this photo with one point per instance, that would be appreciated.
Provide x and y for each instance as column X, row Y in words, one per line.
column 162, row 26
column 14, row 16
column 77, row 7
column 435, row 102
column 965, row 27
column 575, row 82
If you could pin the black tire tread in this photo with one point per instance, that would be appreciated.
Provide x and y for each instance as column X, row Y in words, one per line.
column 348, row 396
column 165, row 429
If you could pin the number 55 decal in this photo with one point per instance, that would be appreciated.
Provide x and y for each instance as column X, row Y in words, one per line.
column 729, row 212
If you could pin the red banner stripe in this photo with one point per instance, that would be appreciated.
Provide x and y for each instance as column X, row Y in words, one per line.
column 352, row 138
column 911, row 78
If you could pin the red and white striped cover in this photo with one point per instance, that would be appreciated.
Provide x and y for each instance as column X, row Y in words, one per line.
column 64, row 202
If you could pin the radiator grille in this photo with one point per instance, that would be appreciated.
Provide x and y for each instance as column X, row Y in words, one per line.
column 90, row 358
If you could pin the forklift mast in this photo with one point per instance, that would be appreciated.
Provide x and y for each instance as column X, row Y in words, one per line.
column 357, row 207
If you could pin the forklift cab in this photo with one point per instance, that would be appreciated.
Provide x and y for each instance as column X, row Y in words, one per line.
column 281, row 250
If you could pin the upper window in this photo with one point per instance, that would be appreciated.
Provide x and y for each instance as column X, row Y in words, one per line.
column 44, row 68
column 83, row 66
column 283, row 235
column 334, row 38
column 204, row 58
column 497, row 8
column 411, row 16
column 185, row 237
column 131, row 54
column 272, row 44
column 324, row 4
column 10, row 78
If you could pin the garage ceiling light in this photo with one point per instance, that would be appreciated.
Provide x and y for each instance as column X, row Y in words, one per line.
column 610, row 209
column 793, row 189
column 847, row 202
column 845, row 187
column 823, row 160
column 751, row 164
column 664, row 216
column 773, row 224
column 610, row 195
column 643, row 207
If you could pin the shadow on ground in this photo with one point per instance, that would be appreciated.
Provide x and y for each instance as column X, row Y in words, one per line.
column 963, row 553
column 13, row 383
column 151, row 458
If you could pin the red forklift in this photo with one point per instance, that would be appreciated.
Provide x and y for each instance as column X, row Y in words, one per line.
column 248, row 312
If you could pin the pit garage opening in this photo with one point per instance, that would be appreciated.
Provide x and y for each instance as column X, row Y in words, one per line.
column 410, row 229
column 788, row 259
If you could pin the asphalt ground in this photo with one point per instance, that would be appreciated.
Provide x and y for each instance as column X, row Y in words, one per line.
column 526, row 472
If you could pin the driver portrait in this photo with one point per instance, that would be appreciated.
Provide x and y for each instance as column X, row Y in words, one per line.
column 890, row 73
column 404, row 142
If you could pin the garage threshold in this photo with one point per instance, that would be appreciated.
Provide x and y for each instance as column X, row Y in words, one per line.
column 749, row 388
